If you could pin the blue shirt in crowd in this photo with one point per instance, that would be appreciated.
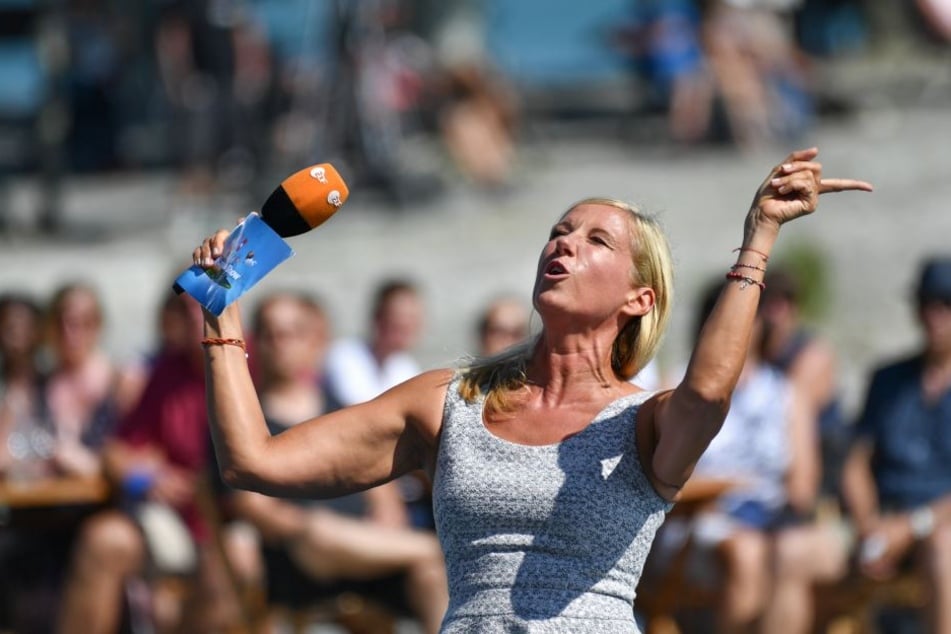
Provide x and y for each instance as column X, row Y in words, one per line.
column 911, row 460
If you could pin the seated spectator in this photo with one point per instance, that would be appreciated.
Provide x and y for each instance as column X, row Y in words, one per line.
column 478, row 123
column 160, row 451
column 360, row 368
column 314, row 548
column 29, row 557
column 811, row 365
column 80, row 390
column 503, row 323
column 760, row 527
column 758, row 72
column 173, row 333
column 63, row 422
column 21, row 380
column 897, row 477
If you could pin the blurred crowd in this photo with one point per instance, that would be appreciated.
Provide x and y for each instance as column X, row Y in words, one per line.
column 115, row 518
column 137, row 533
column 145, row 536
column 232, row 92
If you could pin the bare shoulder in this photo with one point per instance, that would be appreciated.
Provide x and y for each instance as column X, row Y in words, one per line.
column 423, row 398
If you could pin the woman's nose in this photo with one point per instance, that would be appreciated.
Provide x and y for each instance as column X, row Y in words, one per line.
column 564, row 244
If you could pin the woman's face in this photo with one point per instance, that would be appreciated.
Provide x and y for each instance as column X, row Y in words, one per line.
column 77, row 327
column 585, row 269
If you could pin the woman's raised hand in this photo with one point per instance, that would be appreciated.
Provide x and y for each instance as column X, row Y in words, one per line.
column 210, row 248
column 792, row 189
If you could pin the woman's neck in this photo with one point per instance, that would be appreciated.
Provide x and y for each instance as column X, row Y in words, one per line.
column 571, row 370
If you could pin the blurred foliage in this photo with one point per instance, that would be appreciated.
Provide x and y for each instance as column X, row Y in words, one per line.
column 810, row 266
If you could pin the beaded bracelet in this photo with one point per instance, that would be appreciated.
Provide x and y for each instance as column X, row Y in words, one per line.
column 745, row 280
column 218, row 341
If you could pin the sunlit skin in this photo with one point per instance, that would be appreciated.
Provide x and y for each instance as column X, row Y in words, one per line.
column 583, row 281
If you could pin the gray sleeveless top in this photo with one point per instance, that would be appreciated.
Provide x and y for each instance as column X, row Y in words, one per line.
column 547, row 538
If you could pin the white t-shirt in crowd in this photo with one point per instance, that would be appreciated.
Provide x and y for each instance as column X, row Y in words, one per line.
column 353, row 375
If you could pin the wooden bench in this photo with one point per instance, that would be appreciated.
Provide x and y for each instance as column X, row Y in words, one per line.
column 848, row 606
column 843, row 607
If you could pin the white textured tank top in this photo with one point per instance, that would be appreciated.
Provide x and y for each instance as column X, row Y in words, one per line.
column 547, row 538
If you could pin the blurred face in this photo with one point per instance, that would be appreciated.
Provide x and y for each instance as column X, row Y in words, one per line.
column 935, row 316
column 76, row 327
column 586, row 267
column 399, row 323
column 506, row 323
column 174, row 327
column 292, row 339
column 19, row 331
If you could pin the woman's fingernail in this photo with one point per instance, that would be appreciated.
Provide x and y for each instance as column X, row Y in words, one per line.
column 787, row 167
column 775, row 182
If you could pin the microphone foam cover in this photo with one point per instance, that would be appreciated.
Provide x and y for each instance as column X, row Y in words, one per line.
column 304, row 200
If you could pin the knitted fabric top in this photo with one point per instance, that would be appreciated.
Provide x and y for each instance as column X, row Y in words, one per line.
column 547, row 538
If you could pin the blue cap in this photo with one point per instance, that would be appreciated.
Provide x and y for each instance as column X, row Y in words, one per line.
column 935, row 280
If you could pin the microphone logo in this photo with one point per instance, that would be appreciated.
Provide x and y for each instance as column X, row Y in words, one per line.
column 320, row 174
column 334, row 198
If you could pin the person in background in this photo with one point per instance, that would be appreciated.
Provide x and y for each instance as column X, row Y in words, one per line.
column 535, row 453
column 174, row 333
column 21, row 380
column 62, row 423
column 897, row 476
column 312, row 548
column 761, row 525
column 29, row 558
column 156, row 459
column 502, row 324
column 811, row 364
column 359, row 369
column 81, row 388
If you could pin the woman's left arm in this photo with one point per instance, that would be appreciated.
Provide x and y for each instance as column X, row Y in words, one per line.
column 686, row 419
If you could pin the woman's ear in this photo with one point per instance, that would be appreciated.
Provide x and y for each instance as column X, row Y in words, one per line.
column 640, row 301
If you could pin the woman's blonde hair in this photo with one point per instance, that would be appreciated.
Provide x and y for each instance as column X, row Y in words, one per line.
column 500, row 375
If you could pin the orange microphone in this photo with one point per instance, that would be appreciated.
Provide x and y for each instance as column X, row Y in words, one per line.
column 305, row 200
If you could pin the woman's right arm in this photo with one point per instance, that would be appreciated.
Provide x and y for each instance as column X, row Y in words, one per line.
column 348, row 450
column 345, row 451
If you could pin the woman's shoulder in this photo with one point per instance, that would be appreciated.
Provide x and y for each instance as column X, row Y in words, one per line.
column 423, row 391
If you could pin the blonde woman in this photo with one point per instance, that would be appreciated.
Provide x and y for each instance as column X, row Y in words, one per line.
column 551, row 470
